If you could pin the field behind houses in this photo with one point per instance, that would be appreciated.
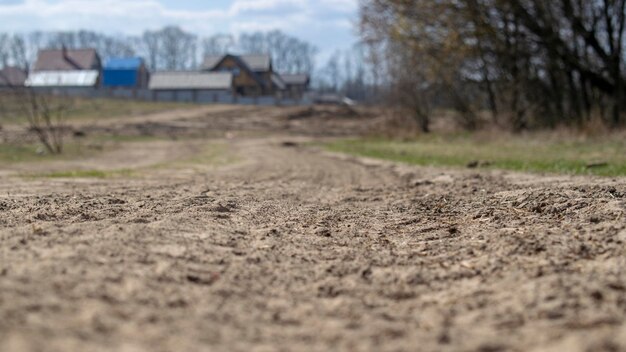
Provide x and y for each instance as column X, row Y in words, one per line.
column 260, row 228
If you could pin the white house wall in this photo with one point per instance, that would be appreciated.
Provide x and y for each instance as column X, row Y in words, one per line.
column 62, row 79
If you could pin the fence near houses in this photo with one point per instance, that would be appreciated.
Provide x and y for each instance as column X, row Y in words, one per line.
column 183, row 96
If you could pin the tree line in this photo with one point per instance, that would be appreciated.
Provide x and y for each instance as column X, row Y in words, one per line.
column 168, row 48
column 529, row 63
column 348, row 72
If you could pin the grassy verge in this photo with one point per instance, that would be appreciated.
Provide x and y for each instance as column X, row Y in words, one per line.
column 606, row 157
column 73, row 148
column 83, row 109
column 204, row 155
column 85, row 174
column 17, row 153
column 98, row 109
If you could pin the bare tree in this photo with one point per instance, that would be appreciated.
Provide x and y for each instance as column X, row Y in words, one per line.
column 218, row 44
column 411, row 91
column 289, row 54
column 5, row 53
column 356, row 83
column 252, row 43
column 19, row 52
column 170, row 48
column 178, row 49
column 332, row 71
column 152, row 46
column 46, row 117
column 45, row 114
column 33, row 42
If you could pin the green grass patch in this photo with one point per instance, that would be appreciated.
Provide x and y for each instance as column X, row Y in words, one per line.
column 83, row 109
column 73, row 148
column 16, row 153
column 606, row 157
column 84, row 174
column 19, row 153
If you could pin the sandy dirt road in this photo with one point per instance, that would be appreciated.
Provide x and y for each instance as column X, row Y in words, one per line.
column 289, row 248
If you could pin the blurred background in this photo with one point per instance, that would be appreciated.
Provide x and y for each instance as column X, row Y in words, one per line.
column 483, row 67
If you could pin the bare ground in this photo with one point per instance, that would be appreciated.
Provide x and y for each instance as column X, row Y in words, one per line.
column 286, row 247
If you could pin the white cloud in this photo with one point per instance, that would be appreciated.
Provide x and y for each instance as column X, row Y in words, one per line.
column 326, row 23
column 134, row 15
column 116, row 15
column 340, row 5
column 240, row 6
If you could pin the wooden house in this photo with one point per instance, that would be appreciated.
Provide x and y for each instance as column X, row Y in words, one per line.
column 253, row 74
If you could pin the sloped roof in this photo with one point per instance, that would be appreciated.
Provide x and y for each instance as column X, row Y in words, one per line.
column 127, row 63
column 256, row 62
column 210, row 61
column 66, row 59
column 295, row 79
column 278, row 81
column 191, row 80
column 211, row 65
column 11, row 76
column 84, row 78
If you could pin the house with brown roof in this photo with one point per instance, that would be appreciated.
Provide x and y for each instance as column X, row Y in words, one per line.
column 67, row 60
column 66, row 68
column 11, row 76
column 253, row 74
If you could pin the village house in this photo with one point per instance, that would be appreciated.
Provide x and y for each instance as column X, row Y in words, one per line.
column 245, row 79
column 128, row 73
column 191, row 86
column 65, row 68
column 11, row 76
column 253, row 74
column 296, row 85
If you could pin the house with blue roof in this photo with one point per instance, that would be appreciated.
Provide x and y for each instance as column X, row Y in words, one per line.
column 125, row 73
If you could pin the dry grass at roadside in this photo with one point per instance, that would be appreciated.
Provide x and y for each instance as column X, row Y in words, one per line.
column 75, row 148
column 91, row 109
column 91, row 158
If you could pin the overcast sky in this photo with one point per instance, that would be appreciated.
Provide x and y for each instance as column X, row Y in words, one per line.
column 329, row 24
